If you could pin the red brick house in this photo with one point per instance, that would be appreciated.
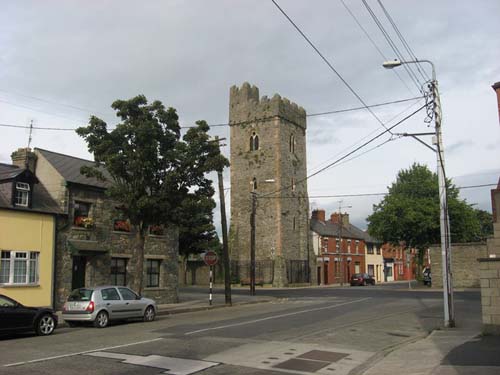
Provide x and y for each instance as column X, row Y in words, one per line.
column 399, row 263
column 340, row 247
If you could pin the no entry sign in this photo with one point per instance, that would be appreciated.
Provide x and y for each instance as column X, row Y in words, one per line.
column 210, row 258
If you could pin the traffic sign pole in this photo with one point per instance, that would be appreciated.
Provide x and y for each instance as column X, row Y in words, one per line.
column 211, row 286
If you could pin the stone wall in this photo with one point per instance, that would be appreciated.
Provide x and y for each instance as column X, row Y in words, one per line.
column 281, row 218
column 490, row 294
column 102, row 243
column 464, row 265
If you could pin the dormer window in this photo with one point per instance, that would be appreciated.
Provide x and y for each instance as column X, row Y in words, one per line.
column 22, row 194
column 254, row 142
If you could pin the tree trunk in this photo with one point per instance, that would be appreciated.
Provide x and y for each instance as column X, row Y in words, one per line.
column 138, row 260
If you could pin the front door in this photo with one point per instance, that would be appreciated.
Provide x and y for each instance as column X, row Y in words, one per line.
column 78, row 279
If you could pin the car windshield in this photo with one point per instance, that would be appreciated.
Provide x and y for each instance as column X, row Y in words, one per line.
column 357, row 275
column 81, row 294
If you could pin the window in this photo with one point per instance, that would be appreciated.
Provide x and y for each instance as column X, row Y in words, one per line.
column 110, row 294
column 152, row 273
column 81, row 213
column 378, row 249
column 294, row 223
column 371, row 270
column 254, row 184
column 357, row 246
column 293, row 184
column 292, row 143
column 19, row 267
column 356, row 267
column 119, row 271
column 22, row 194
column 254, row 142
column 348, row 246
column 127, row 294
column 369, row 248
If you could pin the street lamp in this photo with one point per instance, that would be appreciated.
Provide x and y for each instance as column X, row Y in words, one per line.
column 449, row 315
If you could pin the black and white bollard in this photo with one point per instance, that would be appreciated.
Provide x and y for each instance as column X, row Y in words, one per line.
column 211, row 285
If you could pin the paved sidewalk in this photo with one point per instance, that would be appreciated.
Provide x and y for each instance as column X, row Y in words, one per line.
column 444, row 352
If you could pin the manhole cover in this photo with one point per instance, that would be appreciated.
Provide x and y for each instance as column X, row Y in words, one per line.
column 302, row 365
column 321, row 355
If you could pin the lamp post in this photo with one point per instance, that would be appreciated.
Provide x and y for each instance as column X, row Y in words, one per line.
column 449, row 315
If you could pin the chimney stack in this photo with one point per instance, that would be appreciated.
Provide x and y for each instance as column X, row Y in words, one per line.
column 335, row 218
column 318, row 215
column 496, row 87
column 24, row 158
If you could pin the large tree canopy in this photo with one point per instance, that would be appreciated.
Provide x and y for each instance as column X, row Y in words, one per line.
column 410, row 212
column 152, row 171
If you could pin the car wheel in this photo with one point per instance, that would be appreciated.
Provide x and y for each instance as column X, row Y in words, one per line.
column 149, row 314
column 45, row 325
column 101, row 320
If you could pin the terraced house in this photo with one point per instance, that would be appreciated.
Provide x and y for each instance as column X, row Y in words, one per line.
column 27, row 235
column 93, row 241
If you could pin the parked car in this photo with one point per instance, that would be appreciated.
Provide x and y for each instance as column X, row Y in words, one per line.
column 15, row 317
column 427, row 277
column 362, row 279
column 102, row 304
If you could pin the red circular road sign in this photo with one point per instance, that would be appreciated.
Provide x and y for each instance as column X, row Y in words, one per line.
column 210, row 258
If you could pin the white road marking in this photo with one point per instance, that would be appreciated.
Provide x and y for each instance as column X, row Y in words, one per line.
column 80, row 353
column 172, row 366
column 275, row 317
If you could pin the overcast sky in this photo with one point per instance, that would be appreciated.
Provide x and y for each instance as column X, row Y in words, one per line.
column 61, row 61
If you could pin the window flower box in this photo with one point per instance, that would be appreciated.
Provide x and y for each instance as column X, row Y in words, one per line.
column 84, row 222
column 121, row 226
column 156, row 230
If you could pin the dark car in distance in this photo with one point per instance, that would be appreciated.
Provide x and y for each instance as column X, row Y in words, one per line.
column 362, row 279
column 15, row 317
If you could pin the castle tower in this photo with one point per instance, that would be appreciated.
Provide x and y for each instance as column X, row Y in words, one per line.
column 268, row 157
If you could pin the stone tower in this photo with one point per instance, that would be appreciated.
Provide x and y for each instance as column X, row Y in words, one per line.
column 268, row 157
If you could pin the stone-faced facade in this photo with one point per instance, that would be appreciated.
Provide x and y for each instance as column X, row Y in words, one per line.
column 268, row 158
column 93, row 243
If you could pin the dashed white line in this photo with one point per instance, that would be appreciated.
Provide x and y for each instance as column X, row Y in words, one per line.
column 275, row 317
column 79, row 353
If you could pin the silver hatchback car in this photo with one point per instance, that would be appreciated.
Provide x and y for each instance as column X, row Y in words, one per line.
column 104, row 303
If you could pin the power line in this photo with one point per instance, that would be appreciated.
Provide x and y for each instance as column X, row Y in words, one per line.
column 349, row 153
column 227, row 124
column 329, row 64
column 373, row 43
column 405, row 43
column 366, row 194
column 393, row 46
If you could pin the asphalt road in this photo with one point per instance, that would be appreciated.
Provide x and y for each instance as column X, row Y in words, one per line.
column 311, row 330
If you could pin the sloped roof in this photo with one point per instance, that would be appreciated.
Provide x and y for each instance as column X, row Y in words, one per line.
column 69, row 168
column 8, row 171
column 41, row 199
column 330, row 229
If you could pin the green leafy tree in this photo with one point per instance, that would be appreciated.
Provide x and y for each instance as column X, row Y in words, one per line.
column 150, row 168
column 485, row 223
column 410, row 211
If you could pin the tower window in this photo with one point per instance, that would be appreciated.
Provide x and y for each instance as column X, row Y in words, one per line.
column 293, row 184
column 254, row 184
column 294, row 223
column 292, row 143
column 254, row 142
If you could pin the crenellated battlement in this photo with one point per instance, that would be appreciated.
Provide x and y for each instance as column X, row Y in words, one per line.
column 245, row 105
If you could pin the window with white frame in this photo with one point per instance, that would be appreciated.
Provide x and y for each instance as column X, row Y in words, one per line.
column 22, row 194
column 357, row 246
column 19, row 267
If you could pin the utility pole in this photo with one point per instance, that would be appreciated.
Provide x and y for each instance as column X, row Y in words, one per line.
column 253, row 195
column 449, row 313
column 340, row 241
column 225, row 250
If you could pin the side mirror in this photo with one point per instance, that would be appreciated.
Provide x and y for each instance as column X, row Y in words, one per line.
column 138, row 297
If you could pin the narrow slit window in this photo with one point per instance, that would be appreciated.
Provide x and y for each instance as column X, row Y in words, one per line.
column 254, row 142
